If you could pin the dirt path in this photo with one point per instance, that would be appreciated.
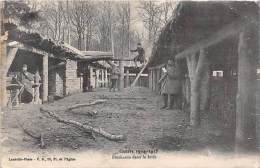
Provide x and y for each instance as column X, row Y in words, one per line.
column 141, row 120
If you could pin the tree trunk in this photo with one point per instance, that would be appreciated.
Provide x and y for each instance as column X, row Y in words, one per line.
column 195, row 71
column 246, row 100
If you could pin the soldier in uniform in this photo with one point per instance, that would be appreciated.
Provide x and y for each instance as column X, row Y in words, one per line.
column 114, row 77
column 171, row 84
column 140, row 57
column 26, row 79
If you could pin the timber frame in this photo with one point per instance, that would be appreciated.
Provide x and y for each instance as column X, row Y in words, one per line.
column 244, row 31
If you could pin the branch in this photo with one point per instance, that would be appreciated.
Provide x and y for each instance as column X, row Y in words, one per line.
column 85, row 104
column 86, row 128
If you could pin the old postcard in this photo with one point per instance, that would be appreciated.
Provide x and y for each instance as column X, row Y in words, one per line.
column 129, row 84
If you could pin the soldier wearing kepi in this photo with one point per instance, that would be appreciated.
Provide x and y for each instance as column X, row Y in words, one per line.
column 26, row 79
column 171, row 84
column 140, row 57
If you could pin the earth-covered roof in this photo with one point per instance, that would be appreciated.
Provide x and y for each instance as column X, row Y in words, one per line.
column 194, row 21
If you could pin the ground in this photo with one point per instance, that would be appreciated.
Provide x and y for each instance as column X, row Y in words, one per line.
column 140, row 120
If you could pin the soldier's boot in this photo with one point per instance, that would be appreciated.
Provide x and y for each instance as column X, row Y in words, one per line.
column 171, row 102
column 165, row 99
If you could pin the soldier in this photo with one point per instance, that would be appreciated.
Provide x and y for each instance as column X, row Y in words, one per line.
column 140, row 57
column 171, row 84
column 114, row 77
column 26, row 79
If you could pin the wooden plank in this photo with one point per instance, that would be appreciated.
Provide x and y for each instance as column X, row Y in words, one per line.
column 139, row 74
column 229, row 30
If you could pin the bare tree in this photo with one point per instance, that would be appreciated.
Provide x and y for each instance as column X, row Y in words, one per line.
column 155, row 15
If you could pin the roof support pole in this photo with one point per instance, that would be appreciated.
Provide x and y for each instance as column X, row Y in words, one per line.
column 205, row 86
column 246, row 99
column 45, row 78
column 121, row 76
column 127, row 81
column 196, row 68
column 106, row 78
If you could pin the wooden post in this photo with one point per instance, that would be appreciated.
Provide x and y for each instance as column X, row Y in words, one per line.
column 37, row 88
column 97, row 78
column 3, row 61
column 195, row 72
column 154, row 83
column 91, row 77
column 121, row 76
column 102, row 78
column 246, row 98
column 127, row 78
column 204, row 90
column 158, row 72
column 149, row 79
column 106, row 79
column 45, row 78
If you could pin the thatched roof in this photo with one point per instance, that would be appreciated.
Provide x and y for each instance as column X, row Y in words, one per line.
column 195, row 21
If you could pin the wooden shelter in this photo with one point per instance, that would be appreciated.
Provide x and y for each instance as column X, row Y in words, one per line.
column 56, row 62
column 210, row 36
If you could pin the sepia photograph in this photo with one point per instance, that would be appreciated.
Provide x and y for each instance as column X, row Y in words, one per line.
column 129, row 84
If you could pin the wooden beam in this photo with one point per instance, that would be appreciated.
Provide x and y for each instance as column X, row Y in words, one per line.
column 10, row 57
column 226, row 32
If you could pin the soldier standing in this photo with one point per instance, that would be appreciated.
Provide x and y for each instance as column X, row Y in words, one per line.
column 171, row 84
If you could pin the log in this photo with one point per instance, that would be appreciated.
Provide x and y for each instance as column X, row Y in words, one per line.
column 89, row 113
column 85, row 128
column 85, row 104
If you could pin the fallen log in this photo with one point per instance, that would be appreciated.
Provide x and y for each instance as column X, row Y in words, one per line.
column 86, row 128
column 85, row 104
column 88, row 113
